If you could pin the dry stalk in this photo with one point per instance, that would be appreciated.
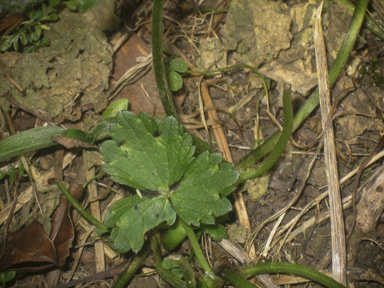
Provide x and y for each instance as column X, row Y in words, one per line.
column 339, row 257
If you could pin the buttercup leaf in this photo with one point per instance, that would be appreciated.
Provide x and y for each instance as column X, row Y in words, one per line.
column 156, row 157
column 145, row 154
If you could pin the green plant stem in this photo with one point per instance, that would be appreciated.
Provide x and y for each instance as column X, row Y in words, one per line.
column 192, row 254
column 313, row 100
column 214, row 280
column 93, row 178
column 196, row 248
column 80, row 209
column 132, row 268
column 300, row 270
column 279, row 147
column 236, row 279
column 161, row 76
column 158, row 63
column 370, row 23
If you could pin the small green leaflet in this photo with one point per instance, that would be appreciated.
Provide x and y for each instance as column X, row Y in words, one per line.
column 179, row 65
column 156, row 156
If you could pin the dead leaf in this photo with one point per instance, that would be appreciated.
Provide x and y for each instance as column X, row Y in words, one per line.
column 72, row 143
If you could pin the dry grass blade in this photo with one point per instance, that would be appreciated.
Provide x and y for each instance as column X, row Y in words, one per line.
column 95, row 211
column 339, row 262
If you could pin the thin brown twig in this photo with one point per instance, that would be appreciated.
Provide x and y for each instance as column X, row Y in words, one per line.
column 30, row 111
column 10, row 79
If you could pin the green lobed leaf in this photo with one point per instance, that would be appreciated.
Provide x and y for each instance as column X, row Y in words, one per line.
column 29, row 49
column 155, row 156
column 16, row 44
column 134, row 217
column 45, row 41
column 179, row 65
column 102, row 131
column 174, row 80
column 145, row 153
column 200, row 196
column 40, row 13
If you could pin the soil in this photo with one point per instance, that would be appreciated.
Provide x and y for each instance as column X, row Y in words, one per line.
column 225, row 41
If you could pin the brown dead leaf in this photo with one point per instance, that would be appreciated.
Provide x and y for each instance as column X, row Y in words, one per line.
column 31, row 250
column 72, row 143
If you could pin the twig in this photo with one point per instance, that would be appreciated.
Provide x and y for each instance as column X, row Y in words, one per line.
column 10, row 78
column 30, row 111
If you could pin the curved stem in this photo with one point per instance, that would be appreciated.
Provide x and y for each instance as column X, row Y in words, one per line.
column 279, row 147
column 80, row 209
column 196, row 247
column 161, row 76
column 370, row 23
column 313, row 100
column 212, row 280
column 300, row 270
